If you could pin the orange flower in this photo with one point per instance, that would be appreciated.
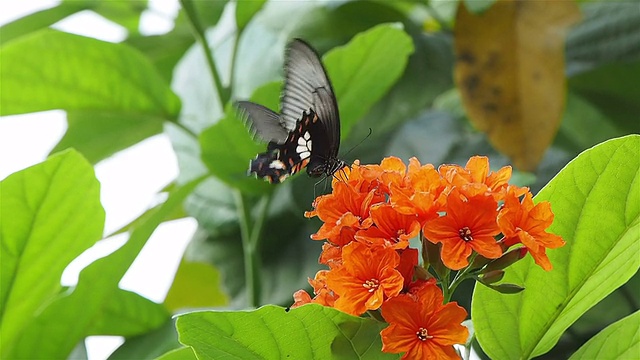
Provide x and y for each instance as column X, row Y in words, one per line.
column 425, row 205
column 526, row 223
column 422, row 327
column 477, row 172
column 424, row 177
column 343, row 207
column 331, row 255
column 469, row 224
column 366, row 278
column 391, row 229
column 301, row 297
column 324, row 296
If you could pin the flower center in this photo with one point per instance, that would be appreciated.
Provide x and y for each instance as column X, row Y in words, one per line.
column 465, row 234
column 371, row 285
column 422, row 334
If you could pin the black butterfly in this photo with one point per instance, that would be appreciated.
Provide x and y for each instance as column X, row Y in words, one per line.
column 307, row 131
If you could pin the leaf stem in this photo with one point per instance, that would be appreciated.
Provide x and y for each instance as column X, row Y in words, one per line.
column 198, row 31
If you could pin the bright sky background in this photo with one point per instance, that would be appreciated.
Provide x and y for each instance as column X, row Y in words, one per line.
column 129, row 179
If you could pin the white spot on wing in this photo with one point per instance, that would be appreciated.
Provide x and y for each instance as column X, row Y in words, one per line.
column 276, row 164
column 307, row 136
column 302, row 141
column 304, row 155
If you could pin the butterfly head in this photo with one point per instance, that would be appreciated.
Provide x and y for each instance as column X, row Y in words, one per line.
column 326, row 167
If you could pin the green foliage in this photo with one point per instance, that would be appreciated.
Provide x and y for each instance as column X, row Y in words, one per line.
column 55, row 202
column 619, row 340
column 309, row 332
column 591, row 265
column 391, row 64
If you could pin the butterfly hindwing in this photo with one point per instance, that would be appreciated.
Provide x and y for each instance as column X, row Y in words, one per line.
column 282, row 160
column 262, row 122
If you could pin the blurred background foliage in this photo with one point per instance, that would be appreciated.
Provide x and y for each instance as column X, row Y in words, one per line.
column 418, row 73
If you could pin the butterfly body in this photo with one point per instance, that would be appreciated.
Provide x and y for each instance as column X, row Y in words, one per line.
column 306, row 134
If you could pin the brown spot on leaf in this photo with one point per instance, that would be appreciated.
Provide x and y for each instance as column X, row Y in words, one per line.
column 471, row 83
column 490, row 107
column 466, row 57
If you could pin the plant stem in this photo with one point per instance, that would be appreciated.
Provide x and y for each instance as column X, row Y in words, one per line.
column 234, row 56
column 251, row 244
column 198, row 31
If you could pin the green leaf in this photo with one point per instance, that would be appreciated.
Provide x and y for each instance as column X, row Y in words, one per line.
column 613, row 90
column 308, row 332
column 164, row 51
column 184, row 353
column 245, row 10
column 620, row 340
column 99, row 134
column 80, row 74
column 208, row 12
column 38, row 20
column 608, row 33
column 150, row 344
column 227, row 149
column 111, row 86
column 594, row 199
column 125, row 13
column 51, row 213
column 103, row 309
column 584, row 125
column 365, row 69
column 195, row 285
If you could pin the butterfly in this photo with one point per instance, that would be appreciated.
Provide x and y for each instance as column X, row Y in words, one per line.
column 306, row 133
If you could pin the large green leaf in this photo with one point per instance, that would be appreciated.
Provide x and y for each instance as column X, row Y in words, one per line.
column 308, row 332
column 365, row 69
column 597, row 212
column 105, row 309
column 620, row 340
column 110, row 86
column 51, row 213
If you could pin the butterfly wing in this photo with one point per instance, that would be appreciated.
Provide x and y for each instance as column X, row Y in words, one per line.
column 307, row 87
column 262, row 122
column 285, row 159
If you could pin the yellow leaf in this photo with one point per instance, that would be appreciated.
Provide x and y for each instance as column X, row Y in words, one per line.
column 510, row 71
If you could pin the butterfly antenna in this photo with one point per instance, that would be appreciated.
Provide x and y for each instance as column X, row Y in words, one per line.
column 358, row 144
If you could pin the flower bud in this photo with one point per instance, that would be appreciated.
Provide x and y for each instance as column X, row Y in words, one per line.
column 492, row 276
column 505, row 260
column 431, row 256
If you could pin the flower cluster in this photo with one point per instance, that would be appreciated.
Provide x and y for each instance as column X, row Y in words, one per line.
column 375, row 210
